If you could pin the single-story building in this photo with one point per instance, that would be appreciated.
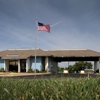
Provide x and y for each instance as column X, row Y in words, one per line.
column 21, row 60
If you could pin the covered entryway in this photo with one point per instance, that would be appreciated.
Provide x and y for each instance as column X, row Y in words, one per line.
column 16, row 65
column 77, row 55
column 13, row 65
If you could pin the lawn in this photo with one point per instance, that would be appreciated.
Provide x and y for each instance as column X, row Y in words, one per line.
column 50, row 89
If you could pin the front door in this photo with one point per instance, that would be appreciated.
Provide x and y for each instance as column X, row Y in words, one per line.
column 23, row 65
column 13, row 65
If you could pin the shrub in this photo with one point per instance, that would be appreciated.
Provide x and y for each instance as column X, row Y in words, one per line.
column 2, row 70
column 30, row 71
column 37, row 71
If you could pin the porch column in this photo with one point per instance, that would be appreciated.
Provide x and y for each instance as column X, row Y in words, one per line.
column 6, row 65
column 46, row 64
column 27, row 64
column 99, row 65
column 18, row 66
column 95, row 65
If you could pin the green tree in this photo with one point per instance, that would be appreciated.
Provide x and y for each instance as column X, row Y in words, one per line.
column 79, row 66
column 60, row 69
column 71, row 69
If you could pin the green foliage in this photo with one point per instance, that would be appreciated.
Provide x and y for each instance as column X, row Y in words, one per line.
column 60, row 70
column 37, row 71
column 86, row 65
column 50, row 89
column 2, row 70
column 78, row 66
column 43, row 71
column 30, row 70
column 71, row 69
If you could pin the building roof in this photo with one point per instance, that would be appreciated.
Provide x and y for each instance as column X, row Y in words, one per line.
column 25, row 53
column 22, row 53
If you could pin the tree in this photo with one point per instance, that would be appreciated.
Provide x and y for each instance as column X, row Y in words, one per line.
column 81, row 65
column 60, row 69
column 71, row 69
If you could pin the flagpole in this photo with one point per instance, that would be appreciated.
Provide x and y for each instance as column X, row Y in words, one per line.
column 36, row 43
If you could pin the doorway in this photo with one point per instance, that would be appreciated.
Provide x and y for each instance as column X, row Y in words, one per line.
column 23, row 65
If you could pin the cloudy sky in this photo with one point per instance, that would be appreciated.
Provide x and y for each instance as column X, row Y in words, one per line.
column 75, row 24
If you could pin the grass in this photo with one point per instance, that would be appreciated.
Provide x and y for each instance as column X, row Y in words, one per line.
column 50, row 89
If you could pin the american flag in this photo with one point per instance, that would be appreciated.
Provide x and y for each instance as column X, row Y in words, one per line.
column 43, row 27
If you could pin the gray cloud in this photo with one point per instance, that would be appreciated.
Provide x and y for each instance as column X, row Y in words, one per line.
column 75, row 23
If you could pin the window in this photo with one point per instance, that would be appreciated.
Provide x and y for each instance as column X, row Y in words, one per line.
column 12, row 54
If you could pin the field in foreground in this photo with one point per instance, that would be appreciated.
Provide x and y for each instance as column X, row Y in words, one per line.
column 50, row 89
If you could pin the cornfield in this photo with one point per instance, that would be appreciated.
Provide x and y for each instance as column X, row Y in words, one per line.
column 50, row 89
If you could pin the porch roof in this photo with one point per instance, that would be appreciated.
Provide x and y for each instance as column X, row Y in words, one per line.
column 74, row 53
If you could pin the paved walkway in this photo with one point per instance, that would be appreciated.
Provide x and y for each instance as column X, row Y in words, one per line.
column 5, row 74
column 43, row 75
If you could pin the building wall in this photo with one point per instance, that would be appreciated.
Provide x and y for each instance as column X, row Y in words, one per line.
column 38, row 63
column 53, row 64
column 1, row 63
